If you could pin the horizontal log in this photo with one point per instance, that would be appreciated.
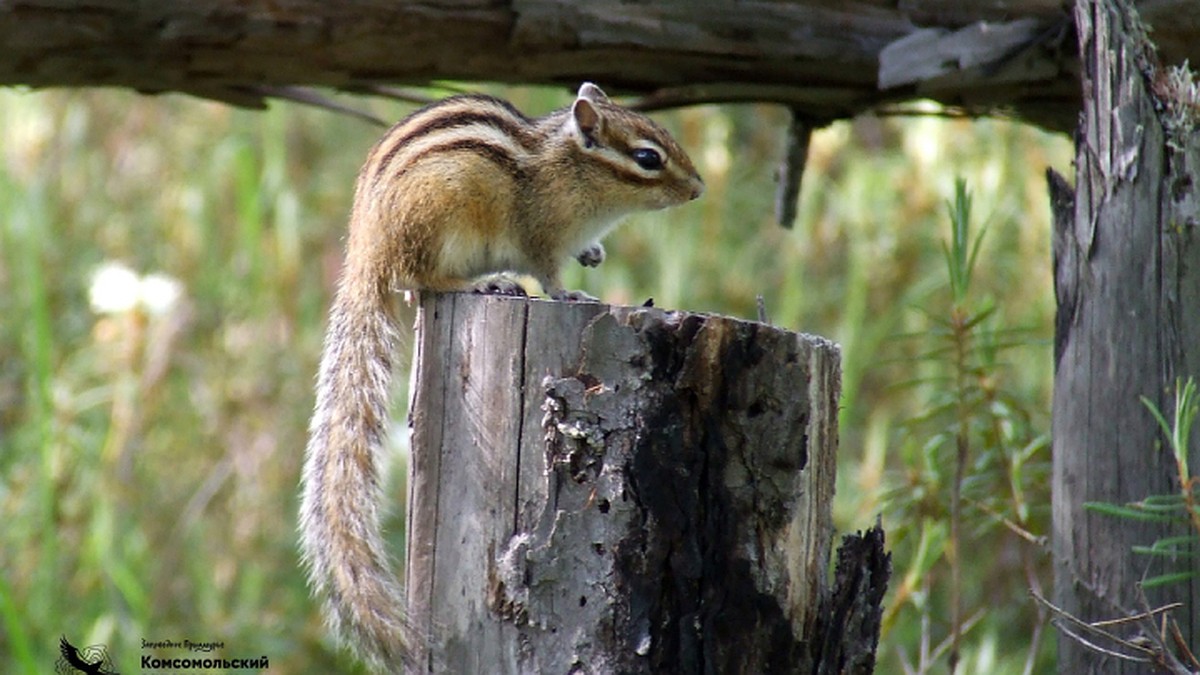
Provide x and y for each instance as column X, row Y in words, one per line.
column 824, row 60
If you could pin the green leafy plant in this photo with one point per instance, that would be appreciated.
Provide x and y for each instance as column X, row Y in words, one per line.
column 1158, row 643
column 974, row 462
column 1181, row 508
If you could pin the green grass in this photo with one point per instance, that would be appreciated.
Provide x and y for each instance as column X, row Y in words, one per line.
column 149, row 463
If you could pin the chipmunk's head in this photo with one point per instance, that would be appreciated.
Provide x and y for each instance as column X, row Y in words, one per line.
column 640, row 165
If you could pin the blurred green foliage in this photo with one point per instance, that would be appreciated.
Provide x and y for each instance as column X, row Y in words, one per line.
column 149, row 457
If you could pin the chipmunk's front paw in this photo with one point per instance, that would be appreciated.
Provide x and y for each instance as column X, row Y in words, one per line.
column 572, row 296
column 591, row 256
column 500, row 286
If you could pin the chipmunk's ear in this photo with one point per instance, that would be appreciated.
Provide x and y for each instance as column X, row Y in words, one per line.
column 592, row 93
column 586, row 115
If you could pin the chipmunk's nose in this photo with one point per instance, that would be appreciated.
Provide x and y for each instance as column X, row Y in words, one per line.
column 697, row 187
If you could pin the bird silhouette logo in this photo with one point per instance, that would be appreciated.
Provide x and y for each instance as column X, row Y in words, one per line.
column 93, row 659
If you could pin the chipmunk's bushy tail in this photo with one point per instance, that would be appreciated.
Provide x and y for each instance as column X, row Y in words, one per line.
column 340, row 533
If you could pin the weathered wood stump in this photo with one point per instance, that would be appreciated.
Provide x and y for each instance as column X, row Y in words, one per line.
column 1127, row 283
column 599, row 489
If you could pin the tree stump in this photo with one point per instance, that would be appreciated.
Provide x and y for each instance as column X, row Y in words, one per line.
column 599, row 489
column 1128, row 292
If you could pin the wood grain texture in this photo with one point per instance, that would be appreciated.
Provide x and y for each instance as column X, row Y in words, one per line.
column 605, row 489
column 825, row 59
column 1125, row 254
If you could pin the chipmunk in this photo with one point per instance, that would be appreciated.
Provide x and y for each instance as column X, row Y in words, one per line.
column 464, row 187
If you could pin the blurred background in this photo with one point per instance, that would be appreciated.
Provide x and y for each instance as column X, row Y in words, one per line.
column 165, row 268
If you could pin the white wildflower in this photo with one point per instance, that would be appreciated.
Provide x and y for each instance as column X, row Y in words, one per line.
column 159, row 293
column 115, row 289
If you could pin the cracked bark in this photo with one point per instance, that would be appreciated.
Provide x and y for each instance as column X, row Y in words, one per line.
column 604, row 489
column 1128, row 291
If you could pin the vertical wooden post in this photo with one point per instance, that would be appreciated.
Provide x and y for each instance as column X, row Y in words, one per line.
column 597, row 489
column 1127, row 280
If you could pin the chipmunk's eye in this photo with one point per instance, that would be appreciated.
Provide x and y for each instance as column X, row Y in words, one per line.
column 648, row 159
